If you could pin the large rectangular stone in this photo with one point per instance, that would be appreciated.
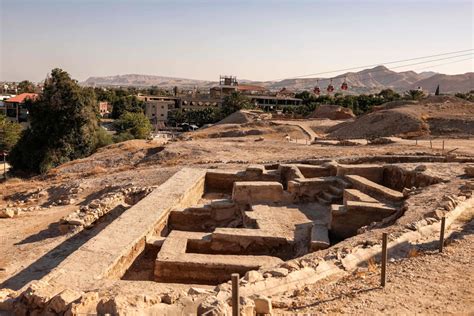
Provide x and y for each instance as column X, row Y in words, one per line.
column 258, row 192
column 319, row 237
column 373, row 189
column 356, row 195
column 368, row 171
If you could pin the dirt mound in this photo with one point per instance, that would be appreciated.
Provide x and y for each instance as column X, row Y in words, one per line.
column 249, row 129
column 332, row 112
column 244, row 116
column 436, row 115
column 124, row 155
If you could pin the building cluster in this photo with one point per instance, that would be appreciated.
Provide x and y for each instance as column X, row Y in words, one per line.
column 160, row 108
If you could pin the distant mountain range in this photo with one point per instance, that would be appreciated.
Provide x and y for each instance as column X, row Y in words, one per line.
column 365, row 81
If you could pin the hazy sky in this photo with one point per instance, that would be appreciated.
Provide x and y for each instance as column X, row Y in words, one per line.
column 260, row 40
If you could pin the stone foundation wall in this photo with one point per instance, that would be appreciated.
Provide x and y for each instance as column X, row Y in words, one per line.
column 398, row 178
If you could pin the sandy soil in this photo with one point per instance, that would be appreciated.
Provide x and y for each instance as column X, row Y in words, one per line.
column 427, row 283
column 436, row 115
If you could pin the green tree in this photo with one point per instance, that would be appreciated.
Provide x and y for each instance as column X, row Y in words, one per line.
column 9, row 133
column 235, row 102
column 135, row 124
column 466, row 96
column 389, row 95
column 63, row 126
column 128, row 103
column 414, row 94
column 26, row 86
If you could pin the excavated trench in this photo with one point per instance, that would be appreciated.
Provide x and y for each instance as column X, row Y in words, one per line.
column 267, row 215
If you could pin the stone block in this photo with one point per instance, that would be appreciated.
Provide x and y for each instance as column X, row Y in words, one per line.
column 7, row 213
column 263, row 305
column 469, row 170
column 279, row 272
column 357, row 195
column 372, row 172
column 257, row 192
column 253, row 276
column 373, row 189
column 60, row 303
column 319, row 237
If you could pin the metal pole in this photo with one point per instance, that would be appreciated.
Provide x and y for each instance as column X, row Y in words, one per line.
column 235, row 294
column 383, row 276
column 441, row 235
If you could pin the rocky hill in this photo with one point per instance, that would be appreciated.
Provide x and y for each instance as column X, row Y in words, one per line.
column 365, row 81
column 137, row 80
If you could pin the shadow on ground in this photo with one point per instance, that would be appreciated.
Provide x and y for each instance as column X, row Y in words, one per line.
column 55, row 256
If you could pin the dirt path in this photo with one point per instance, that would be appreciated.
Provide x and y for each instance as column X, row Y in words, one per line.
column 301, row 124
column 428, row 283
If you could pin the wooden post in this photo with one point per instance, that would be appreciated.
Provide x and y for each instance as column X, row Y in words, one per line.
column 383, row 276
column 431, row 144
column 443, row 146
column 416, row 142
column 5, row 165
column 441, row 235
column 235, row 294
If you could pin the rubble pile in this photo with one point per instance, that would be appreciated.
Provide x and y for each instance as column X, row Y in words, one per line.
column 88, row 214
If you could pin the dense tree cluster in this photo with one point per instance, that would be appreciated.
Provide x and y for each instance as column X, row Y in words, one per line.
column 235, row 102
column 26, row 86
column 63, row 126
column 359, row 104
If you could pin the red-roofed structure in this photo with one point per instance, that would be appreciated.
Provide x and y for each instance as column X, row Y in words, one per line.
column 248, row 87
column 22, row 98
column 15, row 106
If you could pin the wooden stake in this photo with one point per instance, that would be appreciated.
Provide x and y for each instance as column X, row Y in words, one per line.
column 416, row 142
column 431, row 144
column 235, row 294
column 443, row 146
column 383, row 276
column 441, row 235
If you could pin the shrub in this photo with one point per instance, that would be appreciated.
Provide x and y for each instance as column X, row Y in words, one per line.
column 10, row 133
column 103, row 138
column 135, row 124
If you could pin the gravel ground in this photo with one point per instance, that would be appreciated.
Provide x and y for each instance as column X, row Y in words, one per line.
column 427, row 283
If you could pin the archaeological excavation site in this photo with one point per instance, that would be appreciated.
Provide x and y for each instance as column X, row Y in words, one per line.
column 280, row 226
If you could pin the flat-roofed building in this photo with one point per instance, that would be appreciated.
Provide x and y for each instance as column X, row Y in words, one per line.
column 270, row 102
column 104, row 108
column 157, row 108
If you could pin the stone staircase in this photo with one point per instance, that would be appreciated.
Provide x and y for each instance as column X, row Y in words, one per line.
column 334, row 193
